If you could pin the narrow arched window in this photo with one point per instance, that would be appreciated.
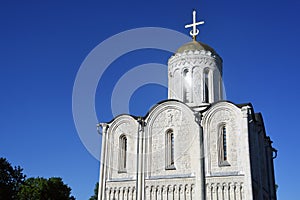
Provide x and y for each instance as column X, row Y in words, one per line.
column 223, row 146
column 170, row 144
column 122, row 153
column 187, row 86
column 172, row 149
column 206, row 87
column 224, row 138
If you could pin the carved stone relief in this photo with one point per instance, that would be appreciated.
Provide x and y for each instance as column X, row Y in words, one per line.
column 184, row 140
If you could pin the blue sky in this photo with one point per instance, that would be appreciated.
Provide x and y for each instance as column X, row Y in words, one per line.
column 43, row 44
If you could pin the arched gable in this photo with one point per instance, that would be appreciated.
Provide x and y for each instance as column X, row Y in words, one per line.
column 178, row 117
column 122, row 126
column 220, row 116
column 122, row 121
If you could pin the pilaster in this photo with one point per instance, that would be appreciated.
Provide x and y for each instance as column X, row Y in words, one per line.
column 200, row 180
column 245, row 145
column 103, row 164
column 140, row 183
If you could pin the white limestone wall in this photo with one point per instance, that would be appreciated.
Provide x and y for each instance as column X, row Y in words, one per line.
column 183, row 180
column 231, row 181
column 128, row 126
column 178, row 117
column 236, row 171
column 230, row 115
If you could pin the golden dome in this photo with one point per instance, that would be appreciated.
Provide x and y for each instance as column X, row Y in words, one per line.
column 194, row 45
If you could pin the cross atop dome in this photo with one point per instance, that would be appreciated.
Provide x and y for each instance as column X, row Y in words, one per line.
column 194, row 32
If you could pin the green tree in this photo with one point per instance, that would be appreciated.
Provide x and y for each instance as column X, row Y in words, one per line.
column 41, row 188
column 95, row 196
column 11, row 179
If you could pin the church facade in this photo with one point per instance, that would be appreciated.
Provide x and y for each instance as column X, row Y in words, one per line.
column 192, row 146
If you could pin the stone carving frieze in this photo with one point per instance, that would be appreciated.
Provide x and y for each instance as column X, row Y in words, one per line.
column 168, row 119
column 193, row 59
column 222, row 116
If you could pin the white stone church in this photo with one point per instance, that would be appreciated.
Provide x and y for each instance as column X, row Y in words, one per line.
column 192, row 146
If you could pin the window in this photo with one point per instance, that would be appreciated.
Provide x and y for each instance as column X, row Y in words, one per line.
column 187, row 82
column 224, row 143
column 122, row 153
column 223, row 146
column 220, row 89
column 170, row 150
column 206, row 87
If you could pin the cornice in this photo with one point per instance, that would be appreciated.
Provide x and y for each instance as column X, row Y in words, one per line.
column 195, row 58
column 194, row 54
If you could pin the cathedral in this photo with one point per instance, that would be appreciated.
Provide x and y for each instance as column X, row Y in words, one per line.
column 192, row 146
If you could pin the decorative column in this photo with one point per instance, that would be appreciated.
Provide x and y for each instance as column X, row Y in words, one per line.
column 170, row 192
column 188, row 192
column 176, row 192
column 193, row 197
column 225, row 189
column 181, row 192
column 208, row 194
column 125, row 193
column 148, row 191
column 214, row 192
column 238, row 191
column 220, row 192
column 140, row 183
column 107, row 193
column 159, row 193
column 242, row 192
column 133, row 193
column 102, row 178
column 118, row 195
column 153, row 193
column 121, row 193
column 129, row 193
column 231, row 191
column 164, row 192
column 112, row 192
column 200, row 182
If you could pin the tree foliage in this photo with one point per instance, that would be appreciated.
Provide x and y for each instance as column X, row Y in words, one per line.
column 15, row 186
column 41, row 188
column 11, row 178
column 95, row 196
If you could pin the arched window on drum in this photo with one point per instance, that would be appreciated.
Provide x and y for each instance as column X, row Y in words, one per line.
column 187, row 85
column 206, row 86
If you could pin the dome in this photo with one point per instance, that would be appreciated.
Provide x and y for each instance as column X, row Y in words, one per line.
column 194, row 45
